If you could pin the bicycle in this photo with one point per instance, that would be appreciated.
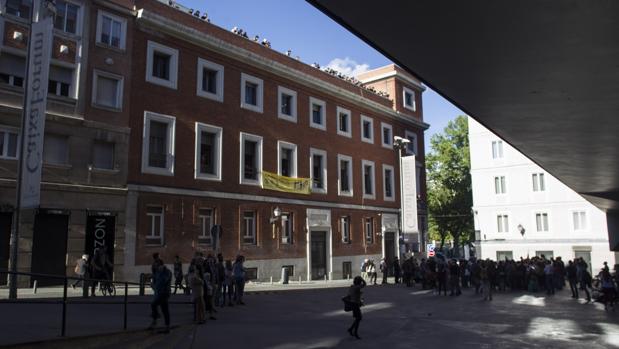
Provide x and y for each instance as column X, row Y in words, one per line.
column 107, row 288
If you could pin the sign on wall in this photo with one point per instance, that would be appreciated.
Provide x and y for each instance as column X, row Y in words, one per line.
column 409, row 198
column 100, row 231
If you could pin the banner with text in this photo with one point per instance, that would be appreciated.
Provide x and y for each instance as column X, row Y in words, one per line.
column 100, row 231
column 409, row 199
column 34, row 112
column 276, row 182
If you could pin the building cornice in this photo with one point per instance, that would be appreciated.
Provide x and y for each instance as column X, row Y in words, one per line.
column 117, row 8
column 396, row 74
column 541, row 241
column 183, row 32
column 256, row 198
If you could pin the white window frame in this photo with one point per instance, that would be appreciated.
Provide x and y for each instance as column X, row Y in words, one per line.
column 406, row 90
column 218, row 131
column 345, row 236
column 581, row 227
column 258, row 139
column 497, row 149
column 541, row 213
column 173, row 53
column 369, row 238
column 171, row 121
column 205, row 234
column 219, row 96
column 365, row 163
column 119, row 91
column 323, row 104
column 258, row 108
column 287, row 238
column 293, row 108
column 123, row 29
column 504, row 228
column 502, row 184
column 389, row 142
column 6, row 131
column 151, row 217
column 289, row 146
column 254, row 226
column 539, row 181
column 314, row 151
column 340, row 110
column 412, row 137
column 348, row 159
column 78, row 20
column 370, row 139
column 392, row 182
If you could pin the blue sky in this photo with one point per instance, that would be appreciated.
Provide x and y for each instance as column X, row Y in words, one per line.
column 314, row 37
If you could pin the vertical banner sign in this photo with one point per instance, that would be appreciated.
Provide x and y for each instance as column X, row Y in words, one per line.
column 409, row 199
column 100, row 234
column 34, row 112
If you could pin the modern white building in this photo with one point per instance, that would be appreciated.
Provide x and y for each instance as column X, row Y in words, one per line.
column 520, row 210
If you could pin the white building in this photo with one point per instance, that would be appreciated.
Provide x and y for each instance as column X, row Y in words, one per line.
column 512, row 194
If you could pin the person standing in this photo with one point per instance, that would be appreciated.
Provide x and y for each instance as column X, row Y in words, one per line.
column 454, row 278
column 178, row 274
column 197, row 293
column 372, row 272
column 161, row 286
column 221, row 276
column 228, row 285
column 238, row 273
column 384, row 269
column 354, row 297
column 485, row 281
column 572, row 278
column 549, row 278
column 608, row 288
column 397, row 270
column 442, row 278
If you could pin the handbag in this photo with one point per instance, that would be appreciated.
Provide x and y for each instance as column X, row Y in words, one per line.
column 347, row 303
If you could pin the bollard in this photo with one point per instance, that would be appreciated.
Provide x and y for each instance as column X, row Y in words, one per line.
column 271, row 280
column 299, row 278
column 34, row 287
column 348, row 276
column 325, row 278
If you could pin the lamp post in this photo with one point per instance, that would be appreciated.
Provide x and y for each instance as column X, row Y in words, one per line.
column 400, row 144
column 275, row 216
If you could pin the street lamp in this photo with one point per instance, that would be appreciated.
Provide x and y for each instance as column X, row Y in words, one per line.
column 399, row 144
column 275, row 216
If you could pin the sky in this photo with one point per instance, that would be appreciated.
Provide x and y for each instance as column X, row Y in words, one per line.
column 296, row 25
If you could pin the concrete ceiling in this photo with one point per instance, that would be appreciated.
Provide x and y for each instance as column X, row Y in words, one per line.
column 542, row 74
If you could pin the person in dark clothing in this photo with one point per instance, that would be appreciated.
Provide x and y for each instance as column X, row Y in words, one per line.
column 384, row 269
column 178, row 274
column 454, row 278
column 397, row 270
column 585, row 283
column 572, row 278
column 354, row 297
column 161, row 287
column 442, row 278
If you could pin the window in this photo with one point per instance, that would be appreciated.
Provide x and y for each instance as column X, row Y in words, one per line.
column 210, row 82
column 60, row 80
column 251, row 159
column 287, row 227
column 388, row 178
column 208, row 152
column 367, row 129
column 387, row 135
column 287, row 155
column 8, row 144
column 205, row 216
column 502, row 223
column 318, row 166
column 111, row 30
column 317, row 113
column 290, row 269
column 411, row 149
column 343, row 122
column 504, row 256
column 368, row 179
column 497, row 149
column 580, row 220
column 345, row 229
column 12, row 69
column 251, row 93
column 56, row 149
column 408, row 98
column 541, row 222
column 58, row 88
column 12, row 80
column 103, row 155
column 538, row 182
column 344, row 170
column 249, row 227
column 369, row 229
column 158, row 144
column 154, row 217
column 107, row 90
column 346, row 270
column 66, row 16
column 287, row 104
column 499, row 185
column 161, row 65
column 19, row 8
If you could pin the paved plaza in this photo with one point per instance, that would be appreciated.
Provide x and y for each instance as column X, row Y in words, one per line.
column 394, row 317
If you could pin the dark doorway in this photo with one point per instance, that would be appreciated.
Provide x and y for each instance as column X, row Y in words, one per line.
column 49, row 247
column 5, row 240
column 319, row 254
column 390, row 250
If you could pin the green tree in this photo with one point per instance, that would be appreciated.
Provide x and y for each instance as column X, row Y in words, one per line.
column 450, row 197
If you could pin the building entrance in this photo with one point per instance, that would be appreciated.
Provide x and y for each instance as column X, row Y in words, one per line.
column 319, row 254
column 5, row 240
column 49, row 247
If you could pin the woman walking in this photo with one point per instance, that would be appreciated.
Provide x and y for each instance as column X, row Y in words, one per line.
column 197, row 293
column 354, row 298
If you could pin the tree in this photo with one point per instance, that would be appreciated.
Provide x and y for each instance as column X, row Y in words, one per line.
column 450, row 197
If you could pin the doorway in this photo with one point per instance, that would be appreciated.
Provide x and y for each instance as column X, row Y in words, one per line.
column 586, row 255
column 390, row 250
column 319, row 255
column 5, row 240
column 49, row 247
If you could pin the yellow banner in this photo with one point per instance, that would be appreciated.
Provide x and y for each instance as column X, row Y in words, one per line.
column 276, row 182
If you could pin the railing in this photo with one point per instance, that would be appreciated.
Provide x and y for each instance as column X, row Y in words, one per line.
column 87, row 283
